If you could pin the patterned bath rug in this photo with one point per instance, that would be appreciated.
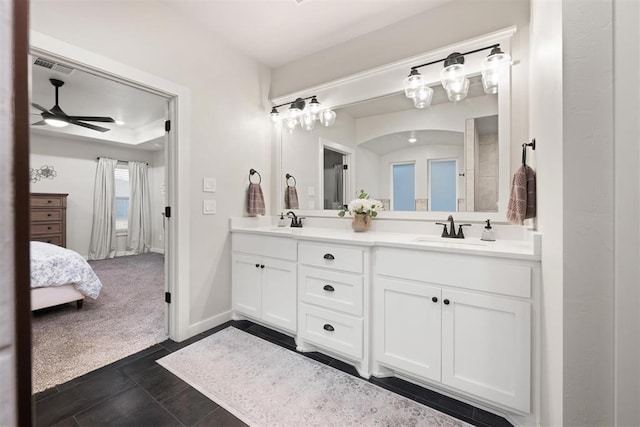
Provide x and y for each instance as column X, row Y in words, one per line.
column 266, row 385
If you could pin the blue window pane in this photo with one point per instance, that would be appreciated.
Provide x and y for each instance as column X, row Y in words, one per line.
column 404, row 187
column 443, row 186
column 122, row 208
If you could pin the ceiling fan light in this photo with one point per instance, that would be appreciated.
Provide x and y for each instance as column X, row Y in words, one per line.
column 412, row 83
column 55, row 122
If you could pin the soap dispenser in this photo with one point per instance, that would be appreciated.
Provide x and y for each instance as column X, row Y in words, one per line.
column 282, row 222
column 488, row 234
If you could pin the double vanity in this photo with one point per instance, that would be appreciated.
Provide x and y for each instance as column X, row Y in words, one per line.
column 455, row 315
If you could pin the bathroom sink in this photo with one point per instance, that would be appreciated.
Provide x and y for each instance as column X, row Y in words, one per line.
column 435, row 239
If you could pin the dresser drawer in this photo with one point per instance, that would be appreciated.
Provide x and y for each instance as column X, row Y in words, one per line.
column 46, row 215
column 331, row 256
column 54, row 240
column 46, row 201
column 334, row 331
column 330, row 289
column 46, row 228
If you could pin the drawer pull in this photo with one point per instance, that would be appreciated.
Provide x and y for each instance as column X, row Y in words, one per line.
column 49, row 214
column 48, row 228
column 262, row 266
column 434, row 299
column 328, row 288
column 48, row 241
column 49, row 201
column 329, row 256
column 328, row 327
column 257, row 265
column 446, row 302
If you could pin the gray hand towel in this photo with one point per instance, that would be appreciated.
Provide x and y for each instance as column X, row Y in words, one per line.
column 255, row 203
column 522, row 203
column 291, row 197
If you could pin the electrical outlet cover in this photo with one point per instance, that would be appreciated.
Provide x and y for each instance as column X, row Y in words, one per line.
column 208, row 207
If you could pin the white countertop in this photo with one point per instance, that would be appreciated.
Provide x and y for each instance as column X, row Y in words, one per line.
column 514, row 249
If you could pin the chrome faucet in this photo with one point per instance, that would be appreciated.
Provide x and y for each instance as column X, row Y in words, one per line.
column 451, row 232
column 296, row 221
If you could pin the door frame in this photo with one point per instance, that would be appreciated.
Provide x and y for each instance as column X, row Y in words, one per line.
column 349, row 160
column 447, row 159
column 176, row 160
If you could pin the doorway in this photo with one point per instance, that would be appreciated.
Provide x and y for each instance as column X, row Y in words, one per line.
column 336, row 171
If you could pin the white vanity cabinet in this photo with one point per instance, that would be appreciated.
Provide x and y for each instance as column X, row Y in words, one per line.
column 332, row 298
column 457, row 320
column 264, row 279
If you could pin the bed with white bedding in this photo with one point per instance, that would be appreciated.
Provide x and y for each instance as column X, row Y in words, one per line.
column 59, row 276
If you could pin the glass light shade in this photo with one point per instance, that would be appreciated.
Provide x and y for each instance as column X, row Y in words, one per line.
column 294, row 112
column 56, row 122
column 291, row 124
column 307, row 120
column 275, row 115
column 455, row 82
column 327, row 117
column 412, row 83
column 314, row 108
column 493, row 67
column 423, row 97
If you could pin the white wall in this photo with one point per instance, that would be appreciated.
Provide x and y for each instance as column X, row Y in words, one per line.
column 545, row 124
column 229, row 129
column 75, row 163
column 626, row 50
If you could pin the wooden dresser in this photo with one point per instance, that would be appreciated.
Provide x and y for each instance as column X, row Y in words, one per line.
column 49, row 218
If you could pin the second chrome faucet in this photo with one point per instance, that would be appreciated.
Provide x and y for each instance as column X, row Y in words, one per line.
column 451, row 232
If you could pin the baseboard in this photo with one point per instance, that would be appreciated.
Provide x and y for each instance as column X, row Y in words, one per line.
column 124, row 253
column 205, row 325
column 158, row 250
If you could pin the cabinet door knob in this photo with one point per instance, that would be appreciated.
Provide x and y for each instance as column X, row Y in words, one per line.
column 328, row 327
column 257, row 265
column 446, row 302
column 328, row 288
column 434, row 299
column 329, row 256
column 262, row 266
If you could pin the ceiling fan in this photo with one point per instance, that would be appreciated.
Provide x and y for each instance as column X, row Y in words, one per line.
column 58, row 118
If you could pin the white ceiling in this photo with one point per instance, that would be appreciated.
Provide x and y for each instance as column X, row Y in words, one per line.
column 276, row 32
column 400, row 140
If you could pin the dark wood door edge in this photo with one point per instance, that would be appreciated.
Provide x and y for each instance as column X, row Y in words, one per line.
column 21, row 210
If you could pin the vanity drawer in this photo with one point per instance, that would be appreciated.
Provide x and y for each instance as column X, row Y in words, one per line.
column 274, row 247
column 463, row 271
column 330, row 289
column 331, row 256
column 334, row 331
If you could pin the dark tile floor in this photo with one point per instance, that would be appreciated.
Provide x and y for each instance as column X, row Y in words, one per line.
column 136, row 391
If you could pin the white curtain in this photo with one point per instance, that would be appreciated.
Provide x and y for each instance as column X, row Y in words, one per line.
column 103, row 229
column 139, row 232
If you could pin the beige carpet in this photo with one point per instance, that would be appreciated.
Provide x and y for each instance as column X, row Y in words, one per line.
column 127, row 317
column 266, row 385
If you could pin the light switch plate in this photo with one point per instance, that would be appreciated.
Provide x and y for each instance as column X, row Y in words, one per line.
column 208, row 207
column 311, row 191
column 209, row 185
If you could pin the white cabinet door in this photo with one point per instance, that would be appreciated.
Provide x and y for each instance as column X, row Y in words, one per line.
column 279, row 294
column 408, row 327
column 247, row 284
column 486, row 347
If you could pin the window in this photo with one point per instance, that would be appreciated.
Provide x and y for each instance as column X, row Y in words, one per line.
column 123, row 192
column 404, row 187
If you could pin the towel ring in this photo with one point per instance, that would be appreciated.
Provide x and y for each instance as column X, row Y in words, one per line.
column 531, row 144
column 289, row 176
column 251, row 173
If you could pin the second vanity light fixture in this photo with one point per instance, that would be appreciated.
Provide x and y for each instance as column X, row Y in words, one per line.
column 453, row 77
column 299, row 113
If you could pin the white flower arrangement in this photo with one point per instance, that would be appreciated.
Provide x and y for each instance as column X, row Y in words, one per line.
column 362, row 205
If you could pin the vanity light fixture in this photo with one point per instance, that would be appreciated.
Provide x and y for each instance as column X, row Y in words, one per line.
column 453, row 76
column 299, row 113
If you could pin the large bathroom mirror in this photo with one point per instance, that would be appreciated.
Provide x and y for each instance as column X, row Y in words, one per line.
column 420, row 163
column 443, row 158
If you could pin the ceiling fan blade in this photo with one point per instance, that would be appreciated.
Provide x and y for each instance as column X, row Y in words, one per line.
column 44, row 110
column 41, row 122
column 92, row 119
column 89, row 126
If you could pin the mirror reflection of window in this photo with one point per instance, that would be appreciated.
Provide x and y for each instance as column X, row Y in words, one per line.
column 443, row 188
column 404, row 186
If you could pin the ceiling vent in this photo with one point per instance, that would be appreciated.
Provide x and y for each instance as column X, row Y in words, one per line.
column 52, row 65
